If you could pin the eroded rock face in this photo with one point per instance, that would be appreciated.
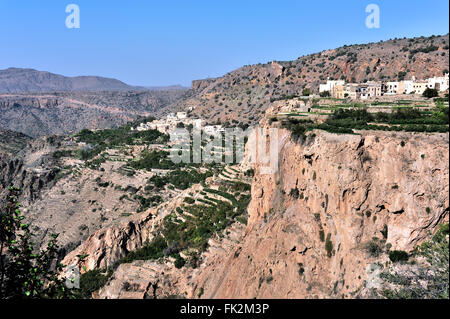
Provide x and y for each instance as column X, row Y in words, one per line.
column 343, row 190
column 106, row 246
column 32, row 169
column 309, row 223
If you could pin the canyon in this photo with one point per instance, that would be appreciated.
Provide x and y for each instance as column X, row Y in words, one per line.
column 309, row 223
column 356, row 184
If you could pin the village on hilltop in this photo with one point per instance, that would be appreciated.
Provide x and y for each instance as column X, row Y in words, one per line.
column 376, row 96
column 340, row 89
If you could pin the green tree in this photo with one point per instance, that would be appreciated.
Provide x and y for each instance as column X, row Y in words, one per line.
column 25, row 272
column 430, row 93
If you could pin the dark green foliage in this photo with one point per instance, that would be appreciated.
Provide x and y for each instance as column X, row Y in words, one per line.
column 154, row 159
column 250, row 172
column 374, row 247
column 294, row 193
column 110, row 138
column 223, row 194
column 306, row 92
column 189, row 200
column 158, row 181
column 179, row 261
column 25, row 272
column 181, row 179
column 321, row 235
column 398, row 256
column 344, row 121
column 153, row 250
column 198, row 224
column 329, row 246
column 147, row 202
column 241, row 187
column 430, row 93
column 301, row 269
column 423, row 281
column 384, row 232
column 92, row 281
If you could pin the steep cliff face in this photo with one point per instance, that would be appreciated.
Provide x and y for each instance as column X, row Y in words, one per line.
column 30, row 169
column 311, row 222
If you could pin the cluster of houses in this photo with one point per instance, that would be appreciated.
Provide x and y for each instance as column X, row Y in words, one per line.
column 174, row 120
column 340, row 89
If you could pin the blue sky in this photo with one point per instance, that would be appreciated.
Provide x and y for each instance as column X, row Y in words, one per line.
column 173, row 42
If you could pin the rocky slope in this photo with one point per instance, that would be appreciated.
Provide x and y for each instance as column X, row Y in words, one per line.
column 12, row 142
column 351, row 190
column 310, row 223
column 242, row 95
column 31, row 168
column 62, row 113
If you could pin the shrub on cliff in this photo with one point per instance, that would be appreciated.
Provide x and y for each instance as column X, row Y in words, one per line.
column 329, row 246
column 398, row 256
column 25, row 272
column 430, row 93
column 92, row 281
column 428, row 278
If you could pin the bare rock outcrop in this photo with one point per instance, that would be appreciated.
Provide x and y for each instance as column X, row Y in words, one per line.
column 310, row 223
column 106, row 246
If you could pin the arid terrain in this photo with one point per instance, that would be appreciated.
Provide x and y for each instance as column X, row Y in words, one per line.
column 357, row 202
column 239, row 97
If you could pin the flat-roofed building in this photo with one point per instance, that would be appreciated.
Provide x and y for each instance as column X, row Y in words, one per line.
column 329, row 86
column 420, row 87
column 391, row 88
column 368, row 90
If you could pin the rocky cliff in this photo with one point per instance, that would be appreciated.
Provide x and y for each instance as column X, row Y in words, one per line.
column 311, row 224
column 38, row 114
column 30, row 169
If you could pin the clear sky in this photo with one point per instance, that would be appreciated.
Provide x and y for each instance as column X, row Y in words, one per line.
column 173, row 42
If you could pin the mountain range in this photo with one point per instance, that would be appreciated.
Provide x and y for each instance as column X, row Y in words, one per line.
column 18, row 80
column 239, row 97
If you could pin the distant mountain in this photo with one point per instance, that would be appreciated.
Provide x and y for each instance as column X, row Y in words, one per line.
column 38, row 114
column 16, row 80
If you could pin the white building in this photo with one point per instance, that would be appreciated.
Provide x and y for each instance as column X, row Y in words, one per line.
column 171, row 117
column 392, row 88
column 329, row 86
column 439, row 83
column 181, row 115
column 408, row 86
column 420, row 87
